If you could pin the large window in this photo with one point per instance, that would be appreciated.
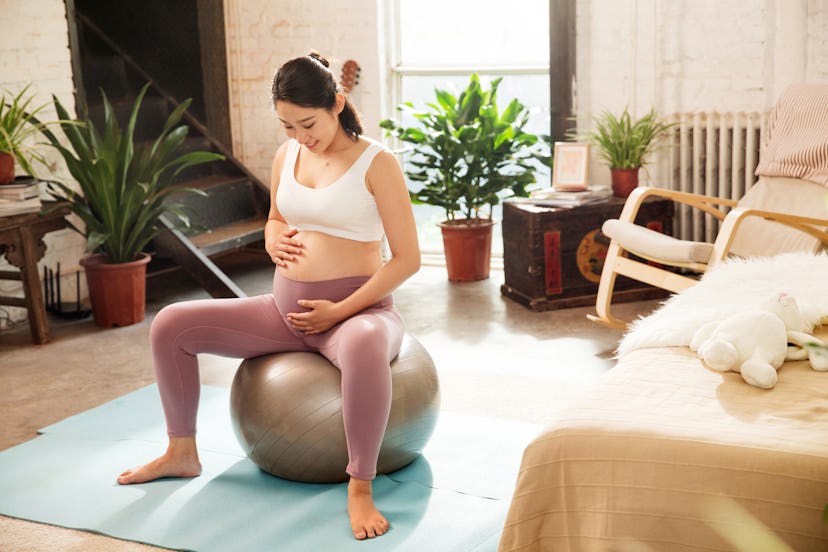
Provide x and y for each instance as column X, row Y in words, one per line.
column 440, row 43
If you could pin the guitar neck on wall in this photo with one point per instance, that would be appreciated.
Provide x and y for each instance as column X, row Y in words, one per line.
column 349, row 77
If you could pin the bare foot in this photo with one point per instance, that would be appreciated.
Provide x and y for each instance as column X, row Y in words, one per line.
column 180, row 460
column 366, row 521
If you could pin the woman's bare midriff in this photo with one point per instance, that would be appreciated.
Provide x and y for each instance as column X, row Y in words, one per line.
column 326, row 257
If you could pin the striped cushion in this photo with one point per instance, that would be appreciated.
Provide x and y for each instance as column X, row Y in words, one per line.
column 796, row 144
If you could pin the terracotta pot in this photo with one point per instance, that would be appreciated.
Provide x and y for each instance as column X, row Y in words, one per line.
column 6, row 168
column 468, row 248
column 624, row 181
column 117, row 291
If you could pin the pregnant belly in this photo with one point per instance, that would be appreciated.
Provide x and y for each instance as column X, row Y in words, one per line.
column 325, row 257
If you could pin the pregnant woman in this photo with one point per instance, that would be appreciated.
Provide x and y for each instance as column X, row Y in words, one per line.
column 334, row 195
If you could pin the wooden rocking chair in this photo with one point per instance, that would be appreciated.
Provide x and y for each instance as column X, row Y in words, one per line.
column 786, row 210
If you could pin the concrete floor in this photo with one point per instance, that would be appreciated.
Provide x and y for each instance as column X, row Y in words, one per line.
column 494, row 357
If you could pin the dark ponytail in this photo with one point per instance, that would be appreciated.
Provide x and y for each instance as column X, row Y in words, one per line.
column 308, row 82
column 349, row 119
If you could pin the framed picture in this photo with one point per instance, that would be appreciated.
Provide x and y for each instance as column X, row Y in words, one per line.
column 570, row 169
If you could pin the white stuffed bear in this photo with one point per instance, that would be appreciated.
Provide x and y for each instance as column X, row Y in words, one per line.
column 755, row 342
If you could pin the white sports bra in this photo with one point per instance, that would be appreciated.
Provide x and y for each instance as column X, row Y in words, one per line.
column 345, row 208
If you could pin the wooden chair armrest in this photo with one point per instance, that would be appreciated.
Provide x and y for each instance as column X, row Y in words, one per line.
column 705, row 203
column 815, row 227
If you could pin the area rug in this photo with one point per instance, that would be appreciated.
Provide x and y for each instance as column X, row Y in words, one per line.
column 454, row 497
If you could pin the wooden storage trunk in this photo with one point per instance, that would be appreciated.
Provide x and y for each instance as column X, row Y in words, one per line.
column 553, row 256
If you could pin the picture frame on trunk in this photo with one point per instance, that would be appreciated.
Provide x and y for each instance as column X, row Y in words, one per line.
column 570, row 169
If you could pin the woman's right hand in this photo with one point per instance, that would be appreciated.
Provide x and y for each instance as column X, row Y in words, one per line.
column 284, row 249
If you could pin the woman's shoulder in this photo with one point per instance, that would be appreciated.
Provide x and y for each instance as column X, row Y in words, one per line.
column 374, row 156
column 281, row 151
column 369, row 144
column 281, row 154
column 284, row 149
column 287, row 145
column 383, row 161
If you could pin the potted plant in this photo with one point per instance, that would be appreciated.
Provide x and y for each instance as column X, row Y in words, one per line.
column 125, row 189
column 468, row 155
column 16, row 128
column 625, row 145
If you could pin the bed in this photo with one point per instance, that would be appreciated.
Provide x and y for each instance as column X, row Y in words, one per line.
column 663, row 453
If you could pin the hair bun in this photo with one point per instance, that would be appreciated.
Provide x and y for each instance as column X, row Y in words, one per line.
column 318, row 57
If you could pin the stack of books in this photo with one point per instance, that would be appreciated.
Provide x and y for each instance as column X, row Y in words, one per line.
column 21, row 196
column 561, row 198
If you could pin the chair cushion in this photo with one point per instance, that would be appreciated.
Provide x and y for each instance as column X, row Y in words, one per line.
column 759, row 237
column 655, row 245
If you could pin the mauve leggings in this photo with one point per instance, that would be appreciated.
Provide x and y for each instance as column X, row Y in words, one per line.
column 362, row 347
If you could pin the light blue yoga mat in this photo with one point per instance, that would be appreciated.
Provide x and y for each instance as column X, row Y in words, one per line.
column 453, row 498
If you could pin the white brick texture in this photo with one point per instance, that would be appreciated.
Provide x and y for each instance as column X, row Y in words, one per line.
column 674, row 55
column 694, row 55
column 37, row 52
column 263, row 35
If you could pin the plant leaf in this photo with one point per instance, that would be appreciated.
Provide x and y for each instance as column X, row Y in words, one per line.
column 123, row 184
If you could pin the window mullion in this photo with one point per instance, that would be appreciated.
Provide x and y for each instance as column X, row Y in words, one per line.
column 437, row 70
column 416, row 72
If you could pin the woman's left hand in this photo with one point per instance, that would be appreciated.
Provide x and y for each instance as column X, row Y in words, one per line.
column 321, row 317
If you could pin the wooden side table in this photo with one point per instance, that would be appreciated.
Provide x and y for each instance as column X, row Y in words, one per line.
column 21, row 241
column 553, row 256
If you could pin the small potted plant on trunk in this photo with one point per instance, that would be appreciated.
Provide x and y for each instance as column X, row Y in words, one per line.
column 17, row 128
column 468, row 156
column 626, row 145
column 125, row 189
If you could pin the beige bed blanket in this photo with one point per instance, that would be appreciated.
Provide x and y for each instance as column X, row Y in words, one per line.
column 644, row 459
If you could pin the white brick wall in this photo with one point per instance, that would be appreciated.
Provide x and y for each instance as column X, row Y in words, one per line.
column 817, row 32
column 694, row 55
column 37, row 52
column 674, row 55
column 262, row 35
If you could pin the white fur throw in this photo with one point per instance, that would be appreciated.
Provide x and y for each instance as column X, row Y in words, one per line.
column 729, row 288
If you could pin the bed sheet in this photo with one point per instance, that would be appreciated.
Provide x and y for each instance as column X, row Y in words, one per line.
column 665, row 453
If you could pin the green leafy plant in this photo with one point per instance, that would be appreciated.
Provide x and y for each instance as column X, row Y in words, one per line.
column 624, row 143
column 17, row 126
column 126, row 187
column 467, row 153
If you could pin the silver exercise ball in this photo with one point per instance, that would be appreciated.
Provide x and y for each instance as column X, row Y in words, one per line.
column 286, row 410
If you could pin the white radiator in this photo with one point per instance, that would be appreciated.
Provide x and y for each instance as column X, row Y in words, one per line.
column 712, row 154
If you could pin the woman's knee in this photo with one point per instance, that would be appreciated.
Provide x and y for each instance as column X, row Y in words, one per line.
column 367, row 344
column 363, row 335
column 167, row 322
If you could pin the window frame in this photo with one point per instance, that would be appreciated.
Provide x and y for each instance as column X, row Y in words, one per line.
column 396, row 70
column 560, row 68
